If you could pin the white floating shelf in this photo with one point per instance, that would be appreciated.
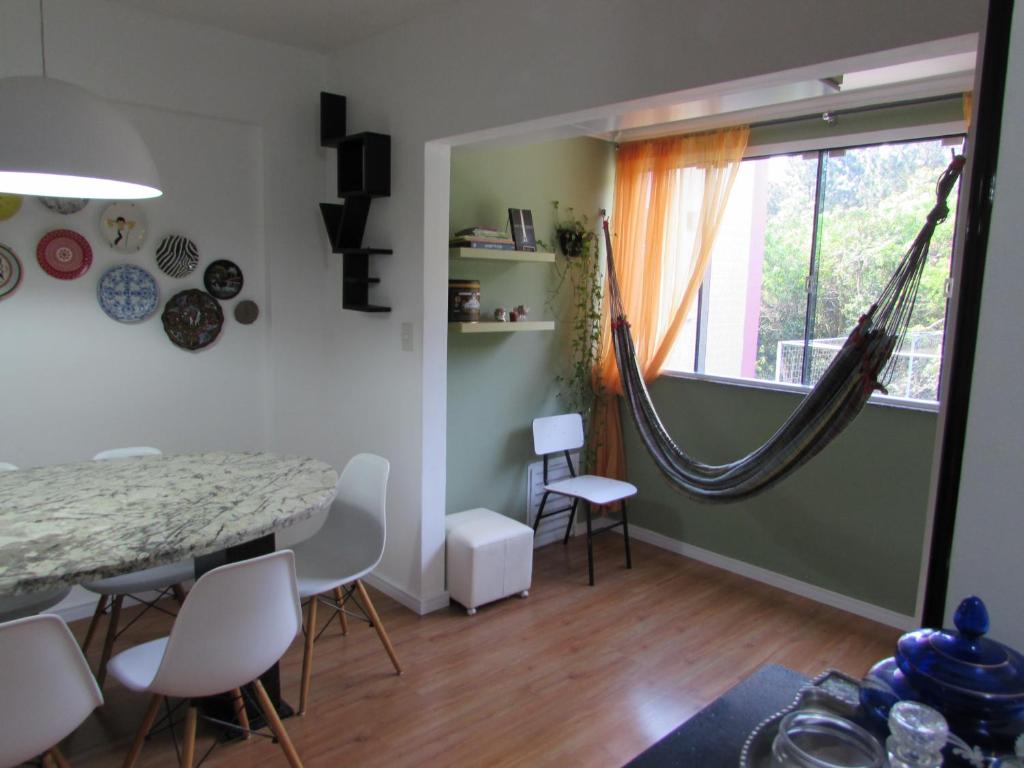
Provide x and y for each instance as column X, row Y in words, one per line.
column 496, row 327
column 493, row 254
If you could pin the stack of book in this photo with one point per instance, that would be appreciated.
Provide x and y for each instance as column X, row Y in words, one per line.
column 482, row 237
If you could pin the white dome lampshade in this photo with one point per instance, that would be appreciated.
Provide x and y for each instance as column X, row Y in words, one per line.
column 59, row 140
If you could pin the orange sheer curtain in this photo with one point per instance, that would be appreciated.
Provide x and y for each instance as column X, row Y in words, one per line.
column 670, row 196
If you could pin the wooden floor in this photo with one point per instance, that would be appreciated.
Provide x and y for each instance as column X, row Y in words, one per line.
column 572, row 675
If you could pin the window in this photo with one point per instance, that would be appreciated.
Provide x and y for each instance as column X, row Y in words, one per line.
column 807, row 243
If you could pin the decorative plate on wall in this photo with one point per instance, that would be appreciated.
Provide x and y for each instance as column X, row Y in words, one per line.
column 176, row 255
column 64, row 254
column 127, row 293
column 223, row 279
column 10, row 271
column 192, row 319
column 65, row 205
column 123, row 226
column 9, row 205
column 246, row 312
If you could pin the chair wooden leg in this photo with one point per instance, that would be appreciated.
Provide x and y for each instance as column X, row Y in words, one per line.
column 108, row 645
column 307, row 655
column 590, row 546
column 339, row 597
column 188, row 750
column 140, row 736
column 240, row 714
column 381, row 633
column 276, row 726
column 58, row 758
column 179, row 593
column 625, row 534
column 101, row 606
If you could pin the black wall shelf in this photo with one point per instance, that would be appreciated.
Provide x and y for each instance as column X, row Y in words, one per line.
column 364, row 172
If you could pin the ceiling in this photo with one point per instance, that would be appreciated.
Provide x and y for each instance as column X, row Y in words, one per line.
column 318, row 25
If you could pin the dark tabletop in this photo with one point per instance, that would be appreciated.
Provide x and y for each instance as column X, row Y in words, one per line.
column 714, row 737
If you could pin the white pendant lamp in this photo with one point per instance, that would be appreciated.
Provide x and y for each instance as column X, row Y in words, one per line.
column 59, row 140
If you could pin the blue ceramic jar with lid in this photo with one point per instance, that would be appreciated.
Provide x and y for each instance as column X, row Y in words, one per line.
column 976, row 682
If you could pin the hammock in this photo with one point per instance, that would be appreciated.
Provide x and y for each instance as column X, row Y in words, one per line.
column 863, row 365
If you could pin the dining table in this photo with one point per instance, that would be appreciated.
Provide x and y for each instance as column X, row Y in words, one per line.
column 74, row 523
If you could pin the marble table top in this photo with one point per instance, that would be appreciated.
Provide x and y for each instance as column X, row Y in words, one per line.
column 71, row 523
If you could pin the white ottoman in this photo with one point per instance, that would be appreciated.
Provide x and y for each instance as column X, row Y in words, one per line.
column 488, row 557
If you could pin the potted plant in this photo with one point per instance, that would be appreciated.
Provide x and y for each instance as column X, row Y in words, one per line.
column 580, row 274
column 573, row 235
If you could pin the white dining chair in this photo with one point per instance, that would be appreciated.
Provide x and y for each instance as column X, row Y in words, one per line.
column 46, row 689
column 562, row 434
column 19, row 606
column 164, row 579
column 332, row 564
column 237, row 623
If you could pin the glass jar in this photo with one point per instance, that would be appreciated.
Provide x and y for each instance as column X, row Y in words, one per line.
column 815, row 739
column 917, row 735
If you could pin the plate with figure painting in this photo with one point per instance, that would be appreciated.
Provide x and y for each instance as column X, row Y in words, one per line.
column 123, row 226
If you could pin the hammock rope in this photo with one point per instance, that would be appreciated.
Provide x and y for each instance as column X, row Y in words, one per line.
column 865, row 363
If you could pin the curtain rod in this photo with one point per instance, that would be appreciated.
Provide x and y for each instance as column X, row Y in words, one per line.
column 835, row 113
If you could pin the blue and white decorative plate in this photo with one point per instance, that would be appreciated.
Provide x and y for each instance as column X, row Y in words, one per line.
column 127, row 293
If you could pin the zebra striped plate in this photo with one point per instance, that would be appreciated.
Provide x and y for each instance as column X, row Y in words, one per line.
column 177, row 256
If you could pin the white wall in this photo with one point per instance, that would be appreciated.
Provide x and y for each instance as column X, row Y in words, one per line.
column 988, row 534
column 233, row 125
column 490, row 63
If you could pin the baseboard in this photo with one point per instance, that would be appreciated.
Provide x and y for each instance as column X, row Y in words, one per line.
column 765, row 576
column 412, row 602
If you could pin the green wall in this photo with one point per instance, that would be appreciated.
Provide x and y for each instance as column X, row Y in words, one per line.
column 498, row 383
column 851, row 520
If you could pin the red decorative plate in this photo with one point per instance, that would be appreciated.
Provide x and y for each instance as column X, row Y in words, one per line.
column 64, row 254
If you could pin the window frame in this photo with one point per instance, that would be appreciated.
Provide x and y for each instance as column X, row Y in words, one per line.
column 820, row 146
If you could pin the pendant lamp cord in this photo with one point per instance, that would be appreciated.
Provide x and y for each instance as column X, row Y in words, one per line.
column 42, row 36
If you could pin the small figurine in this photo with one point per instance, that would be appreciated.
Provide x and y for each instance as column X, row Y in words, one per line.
column 513, row 316
column 501, row 315
column 522, row 310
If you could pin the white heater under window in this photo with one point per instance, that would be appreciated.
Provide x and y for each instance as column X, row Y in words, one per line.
column 551, row 528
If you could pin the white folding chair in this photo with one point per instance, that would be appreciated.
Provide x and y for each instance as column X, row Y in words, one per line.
column 238, row 622
column 165, row 579
column 348, row 546
column 46, row 689
column 562, row 434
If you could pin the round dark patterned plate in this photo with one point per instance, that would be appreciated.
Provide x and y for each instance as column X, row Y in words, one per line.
column 127, row 293
column 246, row 312
column 64, row 254
column 192, row 319
column 176, row 255
column 223, row 279
column 10, row 271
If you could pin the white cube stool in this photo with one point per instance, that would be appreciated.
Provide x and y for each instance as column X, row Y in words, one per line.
column 488, row 557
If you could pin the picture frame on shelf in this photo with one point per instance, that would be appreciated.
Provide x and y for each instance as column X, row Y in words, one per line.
column 521, row 221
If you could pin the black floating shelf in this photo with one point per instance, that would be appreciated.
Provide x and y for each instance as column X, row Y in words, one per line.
column 364, row 251
column 364, row 165
column 364, row 172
